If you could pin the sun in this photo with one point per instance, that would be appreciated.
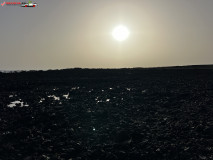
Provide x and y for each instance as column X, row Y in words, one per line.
column 120, row 33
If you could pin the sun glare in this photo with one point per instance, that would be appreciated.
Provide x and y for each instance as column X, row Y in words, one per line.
column 120, row 33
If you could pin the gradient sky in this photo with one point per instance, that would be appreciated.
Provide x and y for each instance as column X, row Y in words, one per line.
column 77, row 33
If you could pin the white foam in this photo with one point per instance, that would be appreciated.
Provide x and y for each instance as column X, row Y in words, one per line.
column 144, row 91
column 90, row 90
column 99, row 101
column 55, row 98
column 75, row 88
column 13, row 104
column 66, row 96
column 42, row 99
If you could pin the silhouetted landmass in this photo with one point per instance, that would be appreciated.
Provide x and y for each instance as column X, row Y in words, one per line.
column 188, row 67
column 151, row 114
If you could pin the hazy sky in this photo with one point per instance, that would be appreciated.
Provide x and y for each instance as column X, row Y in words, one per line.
column 77, row 33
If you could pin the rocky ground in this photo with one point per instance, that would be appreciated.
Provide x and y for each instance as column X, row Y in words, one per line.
column 140, row 114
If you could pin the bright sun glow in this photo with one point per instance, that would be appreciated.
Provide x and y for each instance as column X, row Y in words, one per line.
column 120, row 33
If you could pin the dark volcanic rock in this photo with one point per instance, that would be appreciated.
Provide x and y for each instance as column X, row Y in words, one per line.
column 151, row 114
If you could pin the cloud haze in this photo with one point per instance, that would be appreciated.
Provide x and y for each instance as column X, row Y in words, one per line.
column 77, row 33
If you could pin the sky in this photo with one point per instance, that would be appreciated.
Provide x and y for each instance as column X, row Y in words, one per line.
column 61, row 34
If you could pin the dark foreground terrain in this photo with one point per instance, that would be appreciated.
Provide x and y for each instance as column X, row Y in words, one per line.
column 138, row 114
